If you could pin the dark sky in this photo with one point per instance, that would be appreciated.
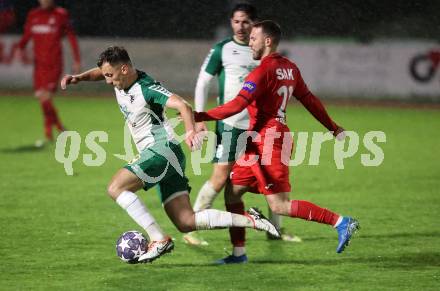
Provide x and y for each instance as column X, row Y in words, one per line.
column 361, row 19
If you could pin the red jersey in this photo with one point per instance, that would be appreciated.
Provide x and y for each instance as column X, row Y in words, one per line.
column 269, row 87
column 265, row 94
column 47, row 27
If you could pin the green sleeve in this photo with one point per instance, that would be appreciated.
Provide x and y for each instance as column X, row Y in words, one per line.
column 156, row 93
column 213, row 62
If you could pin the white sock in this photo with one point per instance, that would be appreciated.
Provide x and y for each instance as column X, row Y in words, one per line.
column 238, row 251
column 275, row 218
column 213, row 218
column 137, row 210
column 205, row 198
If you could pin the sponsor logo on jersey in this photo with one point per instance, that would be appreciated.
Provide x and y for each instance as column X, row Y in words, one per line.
column 42, row 29
column 235, row 52
column 249, row 86
column 131, row 99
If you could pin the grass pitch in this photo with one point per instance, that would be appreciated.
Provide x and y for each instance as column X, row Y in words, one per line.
column 59, row 231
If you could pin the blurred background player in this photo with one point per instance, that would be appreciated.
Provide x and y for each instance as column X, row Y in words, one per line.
column 7, row 20
column 265, row 94
column 231, row 61
column 46, row 25
column 161, row 161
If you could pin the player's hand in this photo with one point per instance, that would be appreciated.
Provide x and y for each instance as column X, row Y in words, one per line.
column 67, row 80
column 194, row 140
column 202, row 130
column 339, row 133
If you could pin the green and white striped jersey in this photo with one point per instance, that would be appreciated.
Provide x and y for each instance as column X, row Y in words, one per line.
column 231, row 62
column 142, row 105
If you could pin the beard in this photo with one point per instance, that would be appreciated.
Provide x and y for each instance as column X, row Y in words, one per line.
column 256, row 55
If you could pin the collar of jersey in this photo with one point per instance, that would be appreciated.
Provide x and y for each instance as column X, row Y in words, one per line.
column 240, row 44
column 139, row 73
column 272, row 55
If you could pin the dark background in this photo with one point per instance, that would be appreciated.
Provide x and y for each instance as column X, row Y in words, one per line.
column 359, row 19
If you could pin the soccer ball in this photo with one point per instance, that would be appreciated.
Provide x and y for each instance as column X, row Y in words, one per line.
column 130, row 246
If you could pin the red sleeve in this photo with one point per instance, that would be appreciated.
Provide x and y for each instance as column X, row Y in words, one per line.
column 70, row 32
column 27, row 34
column 230, row 108
column 313, row 104
column 252, row 86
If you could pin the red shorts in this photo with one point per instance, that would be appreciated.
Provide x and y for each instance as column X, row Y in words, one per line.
column 270, row 173
column 47, row 78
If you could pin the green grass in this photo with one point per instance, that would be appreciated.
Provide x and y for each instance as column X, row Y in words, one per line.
column 58, row 231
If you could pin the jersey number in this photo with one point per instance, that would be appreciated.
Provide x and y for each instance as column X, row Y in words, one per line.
column 286, row 93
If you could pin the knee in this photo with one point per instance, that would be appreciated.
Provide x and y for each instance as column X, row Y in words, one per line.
column 185, row 226
column 233, row 193
column 185, row 222
column 218, row 181
column 113, row 190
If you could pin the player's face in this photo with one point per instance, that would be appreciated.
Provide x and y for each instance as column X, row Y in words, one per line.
column 46, row 3
column 115, row 75
column 257, row 41
column 241, row 26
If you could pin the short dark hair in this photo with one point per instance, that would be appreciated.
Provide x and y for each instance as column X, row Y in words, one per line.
column 114, row 55
column 271, row 29
column 247, row 8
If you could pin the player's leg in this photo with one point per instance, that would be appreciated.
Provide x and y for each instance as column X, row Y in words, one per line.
column 45, row 84
column 243, row 180
column 234, row 203
column 225, row 154
column 213, row 186
column 282, row 205
column 276, row 220
column 174, row 192
column 122, row 188
column 207, row 195
column 44, row 96
column 180, row 212
column 223, row 160
column 53, row 76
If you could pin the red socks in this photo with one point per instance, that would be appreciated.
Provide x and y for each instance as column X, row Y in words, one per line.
column 50, row 118
column 237, row 234
column 309, row 211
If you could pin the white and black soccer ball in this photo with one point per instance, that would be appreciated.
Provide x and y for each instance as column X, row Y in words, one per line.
column 130, row 246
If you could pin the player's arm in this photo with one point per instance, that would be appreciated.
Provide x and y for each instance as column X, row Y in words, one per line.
column 184, row 108
column 315, row 107
column 94, row 74
column 202, row 89
column 17, row 49
column 226, row 110
column 201, row 95
column 27, row 34
column 246, row 95
column 71, row 36
column 211, row 67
